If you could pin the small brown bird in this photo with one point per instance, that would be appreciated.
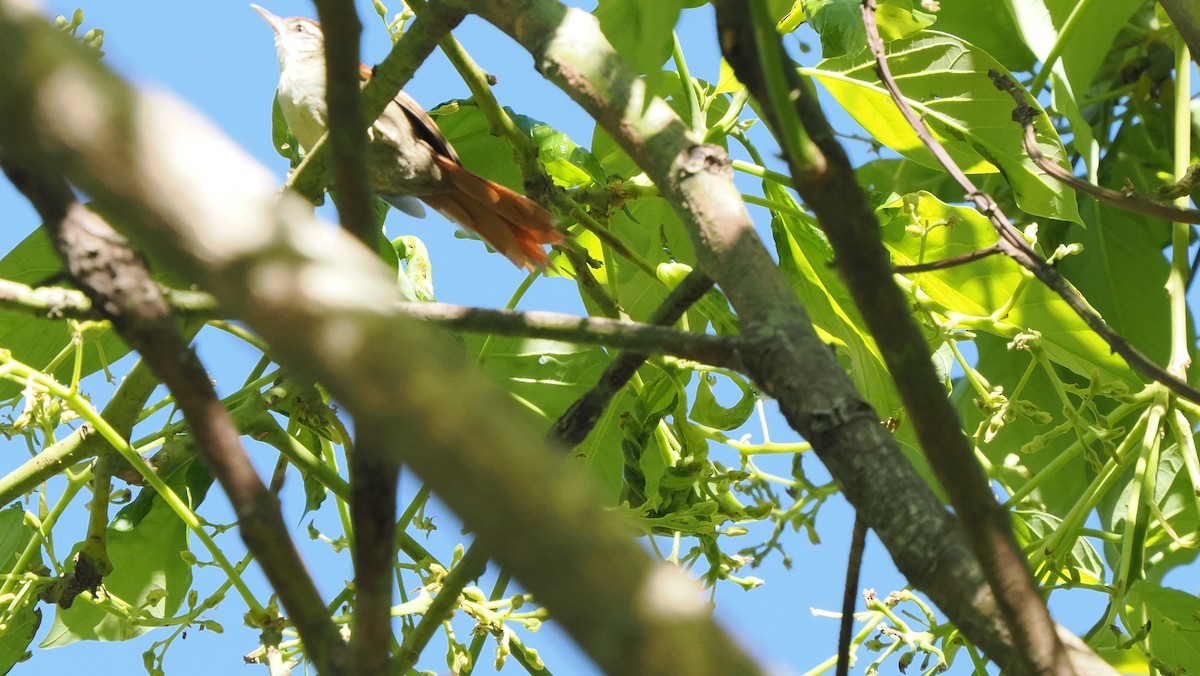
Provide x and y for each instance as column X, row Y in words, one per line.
column 407, row 155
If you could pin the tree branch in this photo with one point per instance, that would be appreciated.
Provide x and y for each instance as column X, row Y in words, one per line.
column 117, row 281
column 790, row 362
column 825, row 179
column 653, row 337
column 573, row 426
column 374, row 470
column 347, row 127
column 321, row 301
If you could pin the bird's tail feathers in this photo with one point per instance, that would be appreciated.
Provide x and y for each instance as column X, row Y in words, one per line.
column 509, row 222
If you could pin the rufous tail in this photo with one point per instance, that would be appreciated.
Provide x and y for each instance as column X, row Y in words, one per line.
column 509, row 222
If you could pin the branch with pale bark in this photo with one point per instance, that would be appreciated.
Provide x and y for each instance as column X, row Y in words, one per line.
column 790, row 363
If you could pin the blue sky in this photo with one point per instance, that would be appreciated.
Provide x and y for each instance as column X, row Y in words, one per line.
column 159, row 44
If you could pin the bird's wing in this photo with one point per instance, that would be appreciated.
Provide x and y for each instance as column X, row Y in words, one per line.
column 423, row 125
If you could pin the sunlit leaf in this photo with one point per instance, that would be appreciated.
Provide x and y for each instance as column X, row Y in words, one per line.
column 946, row 82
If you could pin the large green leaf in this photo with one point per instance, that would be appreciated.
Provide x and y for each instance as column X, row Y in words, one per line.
column 146, row 541
column 946, row 81
column 989, row 25
column 640, row 31
column 1096, row 26
column 1121, row 271
column 985, row 286
column 1172, row 615
column 805, row 259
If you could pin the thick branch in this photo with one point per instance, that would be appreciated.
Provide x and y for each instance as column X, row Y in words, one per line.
column 374, row 471
column 825, row 179
column 321, row 300
column 791, row 363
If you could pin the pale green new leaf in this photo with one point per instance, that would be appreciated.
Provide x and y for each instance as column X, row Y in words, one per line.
column 946, row 82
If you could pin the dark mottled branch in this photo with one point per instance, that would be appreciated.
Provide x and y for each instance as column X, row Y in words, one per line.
column 117, row 281
column 949, row 262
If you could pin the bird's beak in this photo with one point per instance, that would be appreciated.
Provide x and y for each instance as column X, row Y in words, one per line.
column 276, row 22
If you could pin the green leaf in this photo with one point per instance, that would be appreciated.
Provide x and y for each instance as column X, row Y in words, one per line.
column 1121, row 271
column 805, row 259
column 706, row 410
column 946, row 82
column 546, row 377
column 144, row 543
column 987, row 285
column 1082, row 565
column 640, row 31
column 1096, row 27
column 23, row 619
column 466, row 127
column 1174, row 618
column 36, row 341
column 840, row 23
column 988, row 25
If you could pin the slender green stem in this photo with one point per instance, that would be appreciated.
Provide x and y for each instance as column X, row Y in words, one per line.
column 695, row 112
column 762, row 172
column 1180, row 232
column 1064, row 37
column 74, row 485
column 774, row 206
column 780, row 95
column 1064, row 536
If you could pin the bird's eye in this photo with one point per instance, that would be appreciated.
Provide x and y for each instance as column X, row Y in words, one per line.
column 300, row 28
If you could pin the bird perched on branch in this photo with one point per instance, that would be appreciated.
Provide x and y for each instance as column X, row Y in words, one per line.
column 407, row 155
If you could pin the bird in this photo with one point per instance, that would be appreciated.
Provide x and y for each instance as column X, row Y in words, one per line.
column 408, row 157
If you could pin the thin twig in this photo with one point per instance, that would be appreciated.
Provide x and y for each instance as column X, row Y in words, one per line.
column 651, row 337
column 858, row 543
column 1125, row 201
column 950, row 262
